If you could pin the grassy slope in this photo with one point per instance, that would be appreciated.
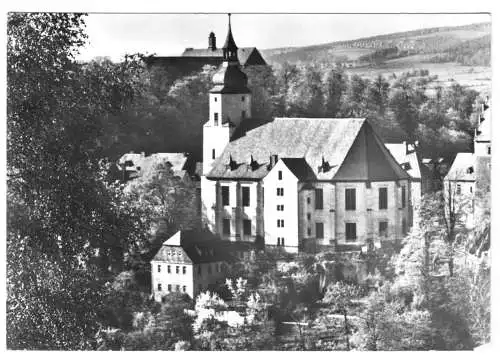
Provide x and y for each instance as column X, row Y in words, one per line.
column 426, row 43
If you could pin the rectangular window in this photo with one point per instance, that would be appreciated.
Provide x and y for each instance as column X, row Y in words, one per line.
column 216, row 118
column 282, row 223
column 247, row 227
column 225, row 195
column 382, row 198
column 279, row 241
column 169, row 287
column 183, row 270
column 309, row 231
column 215, row 98
column 382, row 229
column 308, row 216
column 280, row 207
column 184, row 288
column 213, row 154
column 168, row 268
column 459, row 189
column 243, row 114
column 280, row 175
column 350, row 231
column 318, row 198
column 226, row 226
column 489, row 150
column 159, row 268
column 245, row 191
column 320, row 233
column 280, row 192
column 177, row 288
column 177, row 268
column 350, row 199
column 159, row 287
column 403, row 196
column 242, row 98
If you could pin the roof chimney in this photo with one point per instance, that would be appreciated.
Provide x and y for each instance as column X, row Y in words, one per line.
column 212, row 43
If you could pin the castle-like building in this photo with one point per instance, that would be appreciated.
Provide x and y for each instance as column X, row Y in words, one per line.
column 296, row 183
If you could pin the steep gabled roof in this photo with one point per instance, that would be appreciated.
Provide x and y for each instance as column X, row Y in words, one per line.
column 400, row 154
column 299, row 167
column 307, row 138
column 369, row 160
column 461, row 168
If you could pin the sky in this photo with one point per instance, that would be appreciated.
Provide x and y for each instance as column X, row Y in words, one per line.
column 114, row 35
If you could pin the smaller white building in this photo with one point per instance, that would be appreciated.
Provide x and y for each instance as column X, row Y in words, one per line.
column 134, row 165
column 188, row 262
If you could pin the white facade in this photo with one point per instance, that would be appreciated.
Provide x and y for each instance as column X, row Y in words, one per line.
column 281, row 208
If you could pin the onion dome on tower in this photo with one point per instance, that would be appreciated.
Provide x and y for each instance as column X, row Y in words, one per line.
column 229, row 78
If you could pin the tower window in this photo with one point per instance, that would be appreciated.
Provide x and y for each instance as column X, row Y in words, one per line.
column 216, row 118
column 243, row 114
column 280, row 192
column 225, row 195
column 382, row 198
column 242, row 98
column 159, row 268
column 350, row 199
column 247, row 227
column 350, row 231
column 215, row 99
column 245, row 191
column 226, row 226
column 280, row 223
column 280, row 175
column 489, row 150
column 318, row 198
column 320, row 233
column 213, row 154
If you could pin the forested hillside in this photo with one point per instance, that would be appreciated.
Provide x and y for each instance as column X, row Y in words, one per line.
column 431, row 41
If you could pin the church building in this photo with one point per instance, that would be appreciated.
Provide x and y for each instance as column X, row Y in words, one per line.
column 296, row 183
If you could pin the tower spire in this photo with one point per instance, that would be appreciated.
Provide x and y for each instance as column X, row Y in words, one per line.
column 230, row 50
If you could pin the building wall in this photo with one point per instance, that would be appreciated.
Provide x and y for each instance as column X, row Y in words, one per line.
column 368, row 215
column 214, row 138
column 309, row 215
column 229, row 106
column 482, row 148
column 164, row 278
column 209, row 275
column 289, row 214
column 462, row 191
column 235, row 211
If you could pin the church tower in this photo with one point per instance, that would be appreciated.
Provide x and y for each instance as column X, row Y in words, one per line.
column 229, row 103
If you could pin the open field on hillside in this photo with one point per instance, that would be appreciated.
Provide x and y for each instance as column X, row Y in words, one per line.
column 478, row 78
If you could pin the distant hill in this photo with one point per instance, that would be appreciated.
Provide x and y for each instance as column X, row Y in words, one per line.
column 467, row 45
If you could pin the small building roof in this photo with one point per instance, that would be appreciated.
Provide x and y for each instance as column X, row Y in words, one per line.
column 192, row 247
column 462, row 168
column 142, row 164
column 408, row 159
